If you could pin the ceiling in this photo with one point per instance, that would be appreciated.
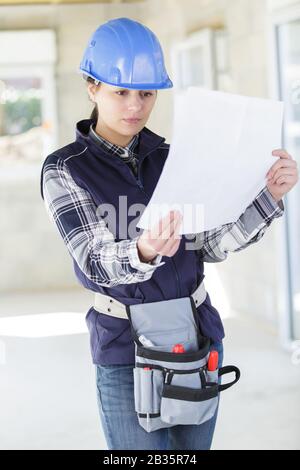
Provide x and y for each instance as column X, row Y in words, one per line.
column 48, row 2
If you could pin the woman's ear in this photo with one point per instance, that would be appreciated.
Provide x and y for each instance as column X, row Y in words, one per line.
column 91, row 89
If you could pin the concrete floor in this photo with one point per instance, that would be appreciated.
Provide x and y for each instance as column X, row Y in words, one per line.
column 48, row 397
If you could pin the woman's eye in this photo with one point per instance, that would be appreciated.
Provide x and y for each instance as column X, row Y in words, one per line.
column 123, row 91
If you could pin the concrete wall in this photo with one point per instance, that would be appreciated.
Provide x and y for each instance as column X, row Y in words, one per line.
column 250, row 277
column 33, row 256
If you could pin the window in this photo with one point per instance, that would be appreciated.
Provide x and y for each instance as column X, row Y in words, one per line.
column 21, row 101
column 27, row 97
column 200, row 60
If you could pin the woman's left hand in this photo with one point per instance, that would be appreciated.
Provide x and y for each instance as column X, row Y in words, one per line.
column 283, row 175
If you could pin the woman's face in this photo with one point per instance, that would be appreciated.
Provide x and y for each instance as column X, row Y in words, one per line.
column 116, row 104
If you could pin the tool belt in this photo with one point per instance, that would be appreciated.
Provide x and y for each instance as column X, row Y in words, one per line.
column 170, row 388
column 110, row 306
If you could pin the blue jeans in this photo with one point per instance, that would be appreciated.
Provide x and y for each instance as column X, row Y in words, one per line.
column 115, row 397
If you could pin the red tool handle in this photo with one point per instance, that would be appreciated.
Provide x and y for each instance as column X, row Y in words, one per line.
column 212, row 363
column 178, row 348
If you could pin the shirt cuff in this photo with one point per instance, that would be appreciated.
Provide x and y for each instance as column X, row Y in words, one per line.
column 157, row 261
column 136, row 263
column 277, row 206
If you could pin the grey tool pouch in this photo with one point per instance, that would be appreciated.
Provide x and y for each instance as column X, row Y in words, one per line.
column 173, row 388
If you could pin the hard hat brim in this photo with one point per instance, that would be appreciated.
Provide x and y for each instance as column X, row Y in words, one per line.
column 136, row 86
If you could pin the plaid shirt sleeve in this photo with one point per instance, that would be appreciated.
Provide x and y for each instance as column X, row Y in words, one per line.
column 248, row 229
column 103, row 260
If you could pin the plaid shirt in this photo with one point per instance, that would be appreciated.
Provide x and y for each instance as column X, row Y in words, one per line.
column 109, row 263
column 125, row 153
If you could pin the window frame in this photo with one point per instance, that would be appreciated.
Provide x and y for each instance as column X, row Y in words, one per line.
column 279, row 15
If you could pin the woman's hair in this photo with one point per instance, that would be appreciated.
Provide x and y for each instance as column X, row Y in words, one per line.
column 94, row 115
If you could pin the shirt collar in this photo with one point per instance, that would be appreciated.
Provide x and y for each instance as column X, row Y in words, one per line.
column 115, row 149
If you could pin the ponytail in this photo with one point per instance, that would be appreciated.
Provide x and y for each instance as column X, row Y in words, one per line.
column 94, row 115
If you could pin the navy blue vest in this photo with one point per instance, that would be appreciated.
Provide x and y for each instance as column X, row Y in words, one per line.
column 106, row 177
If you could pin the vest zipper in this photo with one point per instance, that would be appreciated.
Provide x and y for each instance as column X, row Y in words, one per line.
column 177, row 278
column 138, row 178
column 141, row 185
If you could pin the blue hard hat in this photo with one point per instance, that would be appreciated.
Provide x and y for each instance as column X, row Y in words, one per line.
column 125, row 53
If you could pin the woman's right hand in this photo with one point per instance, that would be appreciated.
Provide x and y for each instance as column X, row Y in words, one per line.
column 163, row 239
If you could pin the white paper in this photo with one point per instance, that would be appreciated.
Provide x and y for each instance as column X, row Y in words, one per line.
column 220, row 152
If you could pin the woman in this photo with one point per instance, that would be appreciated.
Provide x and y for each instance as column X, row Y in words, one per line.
column 115, row 156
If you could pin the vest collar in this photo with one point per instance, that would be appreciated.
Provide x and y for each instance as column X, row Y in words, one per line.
column 148, row 141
